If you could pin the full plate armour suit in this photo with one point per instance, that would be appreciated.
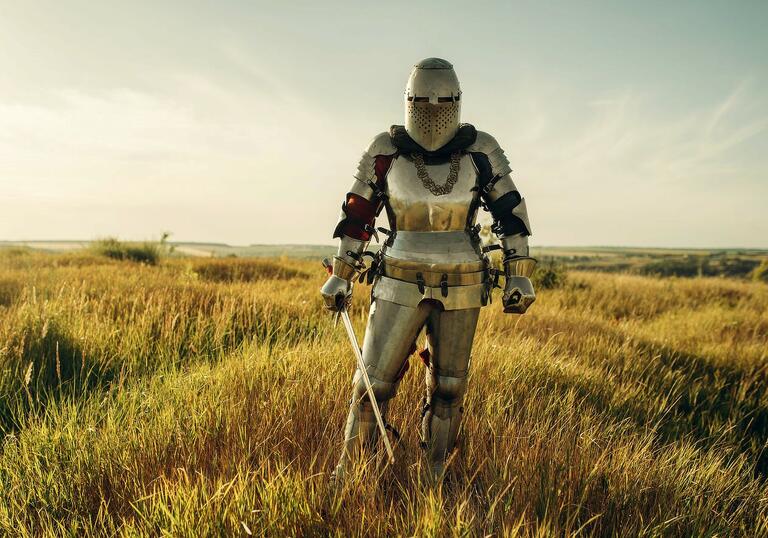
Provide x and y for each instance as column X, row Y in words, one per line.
column 430, row 176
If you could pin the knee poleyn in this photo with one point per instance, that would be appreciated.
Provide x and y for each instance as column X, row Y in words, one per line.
column 449, row 390
column 381, row 389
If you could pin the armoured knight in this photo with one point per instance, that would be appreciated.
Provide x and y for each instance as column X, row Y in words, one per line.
column 430, row 176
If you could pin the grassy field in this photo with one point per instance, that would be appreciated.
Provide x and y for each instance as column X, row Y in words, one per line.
column 207, row 396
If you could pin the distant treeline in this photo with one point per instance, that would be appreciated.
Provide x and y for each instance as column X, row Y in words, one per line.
column 688, row 265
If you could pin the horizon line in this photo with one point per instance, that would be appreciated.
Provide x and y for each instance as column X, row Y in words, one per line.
column 330, row 245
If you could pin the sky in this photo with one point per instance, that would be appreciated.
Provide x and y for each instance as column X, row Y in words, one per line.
column 626, row 123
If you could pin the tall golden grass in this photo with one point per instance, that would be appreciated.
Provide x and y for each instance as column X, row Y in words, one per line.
column 204, row 398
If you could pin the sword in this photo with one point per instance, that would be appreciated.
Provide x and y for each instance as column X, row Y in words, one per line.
column 364, row 373
column 367, row 381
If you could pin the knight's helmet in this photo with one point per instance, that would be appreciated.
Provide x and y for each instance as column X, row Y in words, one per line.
column 432, row 103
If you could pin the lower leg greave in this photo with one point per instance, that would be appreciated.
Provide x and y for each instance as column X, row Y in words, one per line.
column 361, row 431
column 442, row 417
column 449, row 337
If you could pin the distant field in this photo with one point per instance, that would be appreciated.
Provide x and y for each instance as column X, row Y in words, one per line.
column 739, row 263
column 193, row 249
column 207, row 397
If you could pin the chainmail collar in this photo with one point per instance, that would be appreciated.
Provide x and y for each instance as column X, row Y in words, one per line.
column 464, row 138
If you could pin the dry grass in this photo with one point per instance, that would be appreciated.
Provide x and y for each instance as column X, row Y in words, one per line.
column 190, row 399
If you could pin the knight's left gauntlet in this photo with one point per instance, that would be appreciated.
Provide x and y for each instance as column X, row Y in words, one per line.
column 518, row 268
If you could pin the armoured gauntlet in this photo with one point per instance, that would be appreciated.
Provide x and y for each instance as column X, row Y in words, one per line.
column 518, row 267
column 337, row 290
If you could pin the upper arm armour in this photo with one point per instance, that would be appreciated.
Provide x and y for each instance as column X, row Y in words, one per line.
column 364, row 199
column 497, row 189
column 380, row 146
column 487, row 145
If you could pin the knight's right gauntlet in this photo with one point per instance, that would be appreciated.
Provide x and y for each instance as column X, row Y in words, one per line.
column 337, row 290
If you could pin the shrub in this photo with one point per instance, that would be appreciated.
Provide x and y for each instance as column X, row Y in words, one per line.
column 549, row 275
column 688, row 266
column 700, row 265
column 735, row 266
column 111, row 247
column 760, row 273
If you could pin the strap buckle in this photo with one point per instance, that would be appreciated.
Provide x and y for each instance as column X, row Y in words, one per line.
column 490, row 185
column 420, row 282
column 378, row 192
column 444, row 285
column 372, row 231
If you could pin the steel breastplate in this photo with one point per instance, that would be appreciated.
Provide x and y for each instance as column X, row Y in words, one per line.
column 416, row 209
column 432, row 253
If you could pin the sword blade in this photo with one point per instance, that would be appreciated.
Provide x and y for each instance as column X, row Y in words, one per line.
column 367, row 381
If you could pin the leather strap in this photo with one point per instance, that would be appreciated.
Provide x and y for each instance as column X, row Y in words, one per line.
column 434, row 279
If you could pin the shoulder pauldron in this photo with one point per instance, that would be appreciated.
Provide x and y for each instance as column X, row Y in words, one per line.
column 488, row 146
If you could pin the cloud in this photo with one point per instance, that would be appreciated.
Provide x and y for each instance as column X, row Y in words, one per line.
column 199, row 143
column 624, row 168
column 270, row 163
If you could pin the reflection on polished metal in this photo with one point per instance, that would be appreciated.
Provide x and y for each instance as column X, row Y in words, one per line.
column 522, row 266
column 432, row 103
column 486, row 144
column 367, row 381
column 346, row 263
column 451, row 252
column 429, row 183
column 518, row 291
column 515, row 245
column 518, row 294
column 380, row 145
column 343, row 269
column 335, row 292
column 417, row 209
column 416, row 264
column 499, row 188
